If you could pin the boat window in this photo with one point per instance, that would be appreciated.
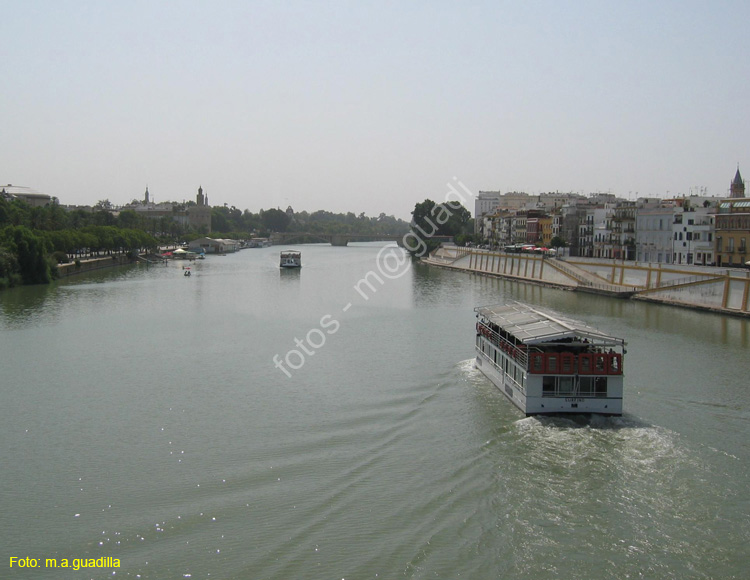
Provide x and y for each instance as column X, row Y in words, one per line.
column 600, row 386
column 552, row 363
column 548, row 386
column 586, row 386
column 565, row 386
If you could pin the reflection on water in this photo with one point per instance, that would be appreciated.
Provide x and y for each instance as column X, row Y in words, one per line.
column 43, row 304
column 27, row 305
column 290, row 275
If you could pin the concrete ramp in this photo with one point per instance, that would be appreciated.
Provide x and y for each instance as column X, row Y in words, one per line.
column 725, row 292
column 706, row 288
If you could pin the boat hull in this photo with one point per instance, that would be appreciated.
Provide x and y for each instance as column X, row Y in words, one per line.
column 535, row 405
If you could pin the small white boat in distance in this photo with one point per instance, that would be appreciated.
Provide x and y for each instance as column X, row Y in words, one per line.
column 290, row 259
column 546, row 363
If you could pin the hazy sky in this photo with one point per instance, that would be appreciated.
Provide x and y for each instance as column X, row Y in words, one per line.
column 371, row 106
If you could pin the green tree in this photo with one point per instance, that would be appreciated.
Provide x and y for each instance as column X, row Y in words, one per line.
column 103, row 204
column 54, row 217
column 219, row 219
column 128, row 219
column 31, row 253
column 421, row 218
column 9, row 270
column 250, row 221
column 103, row 218
column 275, row 220
column 459, row 222
column 445, row 219
column 558, row 242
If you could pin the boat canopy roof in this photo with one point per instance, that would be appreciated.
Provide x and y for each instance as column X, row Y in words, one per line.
column 533, row 326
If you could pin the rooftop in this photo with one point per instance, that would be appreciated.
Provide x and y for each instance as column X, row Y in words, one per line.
column 534, row 326
column 20, row 190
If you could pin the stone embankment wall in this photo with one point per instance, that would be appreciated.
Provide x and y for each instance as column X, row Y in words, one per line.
column 702, row 287
column 72, row 268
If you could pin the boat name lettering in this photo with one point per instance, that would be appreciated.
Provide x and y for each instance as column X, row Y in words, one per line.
column 573, row 400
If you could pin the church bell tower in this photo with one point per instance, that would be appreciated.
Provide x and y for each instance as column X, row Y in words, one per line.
column 737, row 188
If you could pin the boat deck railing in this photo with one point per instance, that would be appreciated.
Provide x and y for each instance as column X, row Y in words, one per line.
column 518, row 352
column 592, row 361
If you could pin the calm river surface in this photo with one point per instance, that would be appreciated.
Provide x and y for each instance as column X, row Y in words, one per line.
column 142, row 417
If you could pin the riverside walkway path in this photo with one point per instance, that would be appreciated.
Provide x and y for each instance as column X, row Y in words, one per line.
column 723, row 290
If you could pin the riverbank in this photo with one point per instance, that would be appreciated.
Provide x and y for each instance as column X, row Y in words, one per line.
column 81, row 266
column 719, row 290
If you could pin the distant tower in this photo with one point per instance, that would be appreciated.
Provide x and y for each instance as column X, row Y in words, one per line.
column 199, row 216
column 737, row 189
column 145, row 199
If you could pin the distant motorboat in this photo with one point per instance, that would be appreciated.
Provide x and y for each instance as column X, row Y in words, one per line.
column 290, row 259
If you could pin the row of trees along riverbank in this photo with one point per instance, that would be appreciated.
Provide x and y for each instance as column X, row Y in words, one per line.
column 232, row 222
column 33, row 240
column 31, row 256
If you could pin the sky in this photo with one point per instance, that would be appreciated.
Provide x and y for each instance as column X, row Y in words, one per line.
column 371, row 106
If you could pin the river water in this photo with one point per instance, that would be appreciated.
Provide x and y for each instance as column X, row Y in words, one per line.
column 143, row 418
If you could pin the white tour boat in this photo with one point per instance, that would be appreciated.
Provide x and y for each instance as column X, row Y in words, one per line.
column 291, row 259
column 545, row 363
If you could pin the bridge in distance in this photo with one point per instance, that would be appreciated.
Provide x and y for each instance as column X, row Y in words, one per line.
column 282, row 238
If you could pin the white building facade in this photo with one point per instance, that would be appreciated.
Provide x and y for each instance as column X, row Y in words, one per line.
column 693, row 236
column 653, row 234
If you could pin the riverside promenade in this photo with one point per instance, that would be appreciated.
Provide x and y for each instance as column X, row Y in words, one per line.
column 721, row 290
column 90, row 263
column 93, row 263
column 98, row 262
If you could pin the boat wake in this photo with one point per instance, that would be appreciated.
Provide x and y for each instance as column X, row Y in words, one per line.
column 585, row 421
